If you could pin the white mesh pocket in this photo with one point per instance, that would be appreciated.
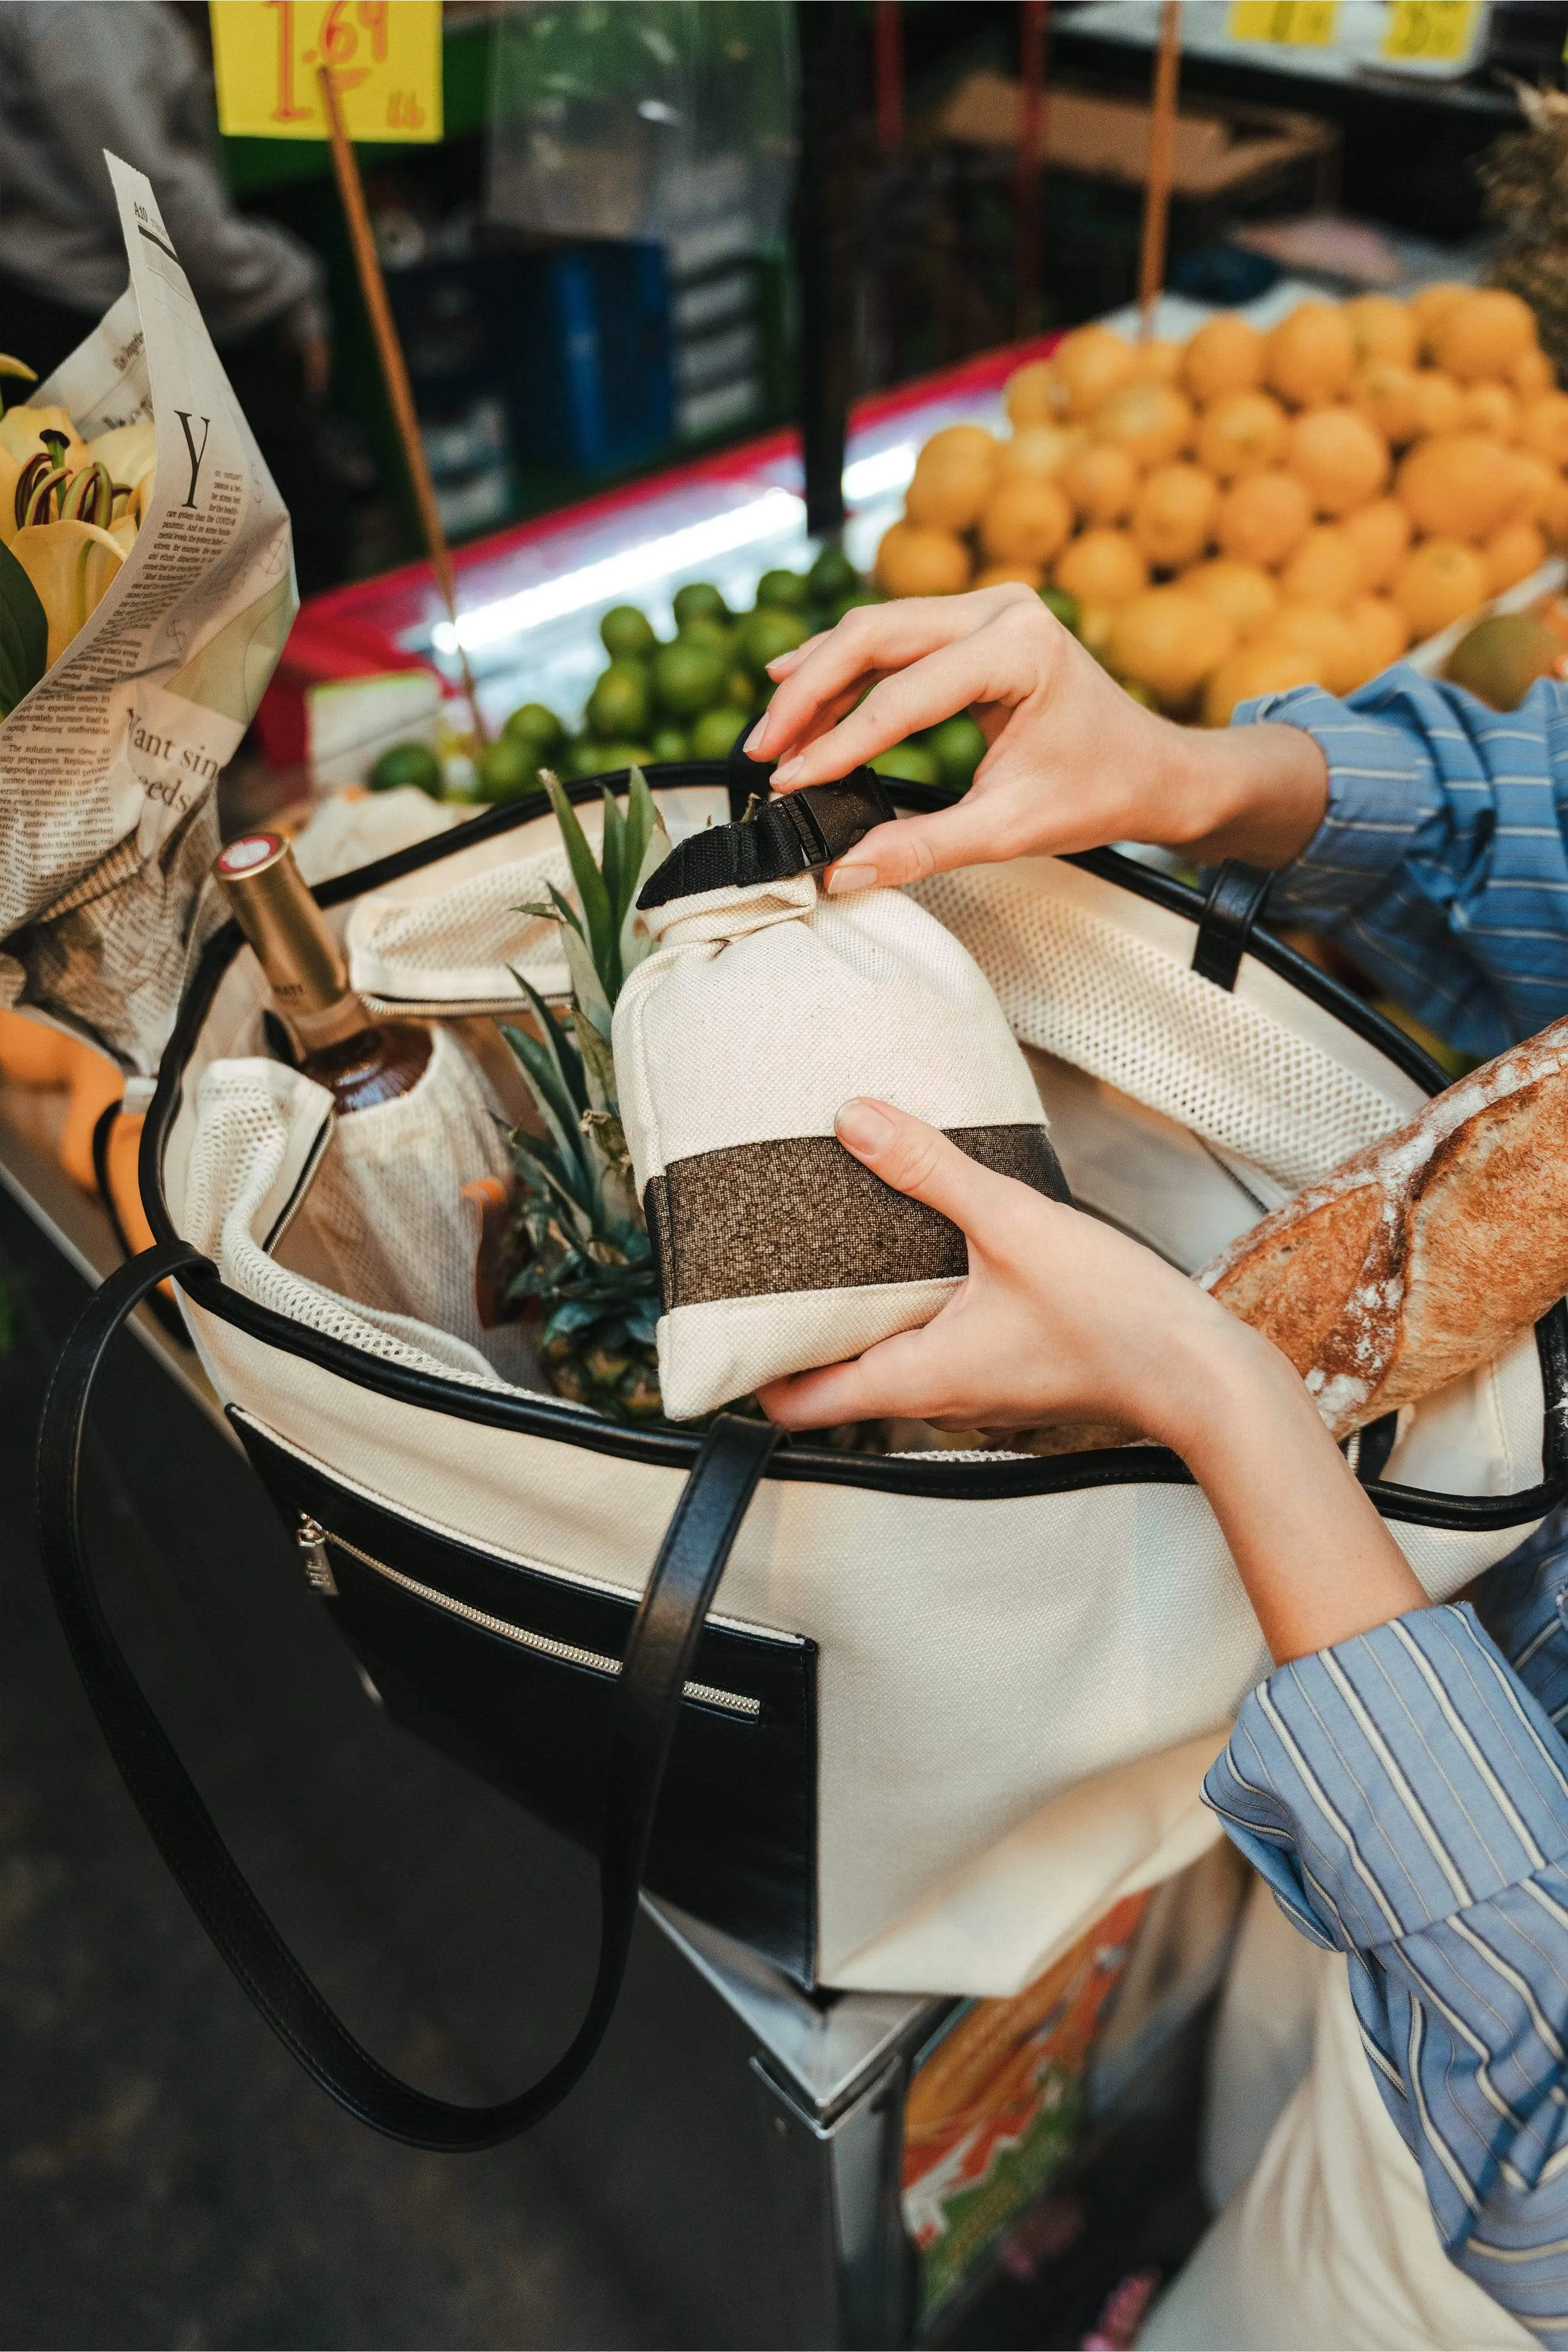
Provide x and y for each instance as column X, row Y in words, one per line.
column 258, row 1126
column 386, row 1206
column 458, row 946
column 1074, row 983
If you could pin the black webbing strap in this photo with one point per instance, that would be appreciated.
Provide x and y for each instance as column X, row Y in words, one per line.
column 659, row 1655
column 794, row 833
column 1234, row 902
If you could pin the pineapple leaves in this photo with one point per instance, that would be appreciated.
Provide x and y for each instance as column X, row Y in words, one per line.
column 560, row 910
column 591, row 889
column 590, row 1002
column 586, row 1255
column 641, row 821
column 612, row 854
column 646, row 836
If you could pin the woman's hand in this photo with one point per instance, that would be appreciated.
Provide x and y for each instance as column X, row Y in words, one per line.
column 1062, row 1319
column 1072, row 762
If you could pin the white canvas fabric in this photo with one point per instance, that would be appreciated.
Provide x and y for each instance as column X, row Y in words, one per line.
column 761, row 1010
column 1017, row 1693
column 455, row 936
column 1331, row 2246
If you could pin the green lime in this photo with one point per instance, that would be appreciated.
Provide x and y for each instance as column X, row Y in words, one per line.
column 832, row 577
column 613, row 756
column 688, row 678
column 912, row 764
column 626, row 630
column 740, row 690
column 958, row 747
column 766, row 633
column 784, row 590
column 716, row 731
column 584, row 757
column 505, row 768
column 618, row 706
column 849, row 603
column 699, row 600
column 533, row 723
column 703, row 629
column 1065, row 607
column 407, row 763
column 671, row 743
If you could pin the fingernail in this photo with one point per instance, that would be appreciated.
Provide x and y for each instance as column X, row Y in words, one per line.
column 754, row 739
column 788, row 768
column 862, row 1126
column 845, row 878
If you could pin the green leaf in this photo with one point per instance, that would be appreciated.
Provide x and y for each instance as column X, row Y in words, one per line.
column 609, row 856
column 642, row 817
column 541, row 1066
column 559, row 1040
column 587, row 996
column 636, row 944
column 580, row 1216
column 599, row 1066
column 590, row 882
column 24, row 634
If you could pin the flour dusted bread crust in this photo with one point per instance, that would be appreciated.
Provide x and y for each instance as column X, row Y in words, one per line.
column 1422, row 1256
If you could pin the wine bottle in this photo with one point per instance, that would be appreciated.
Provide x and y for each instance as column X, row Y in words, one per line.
column 358, row 1060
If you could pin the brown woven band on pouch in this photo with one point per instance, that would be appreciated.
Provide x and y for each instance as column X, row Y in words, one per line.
column 802, row 1213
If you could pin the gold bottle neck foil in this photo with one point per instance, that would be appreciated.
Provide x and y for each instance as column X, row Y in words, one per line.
column 305, row 966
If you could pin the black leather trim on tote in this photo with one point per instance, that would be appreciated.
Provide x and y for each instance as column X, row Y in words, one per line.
column 935, row 1476
column 736, row 1834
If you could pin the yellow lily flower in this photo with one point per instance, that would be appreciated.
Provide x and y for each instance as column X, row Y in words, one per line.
column 70, row 564
column 20, row 428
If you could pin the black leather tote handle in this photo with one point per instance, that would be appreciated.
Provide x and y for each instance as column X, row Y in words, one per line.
column 1234, row 904
column 659, row 1655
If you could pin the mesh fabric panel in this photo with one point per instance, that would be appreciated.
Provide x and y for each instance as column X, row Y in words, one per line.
column 1075, row 984
column 256, row 1124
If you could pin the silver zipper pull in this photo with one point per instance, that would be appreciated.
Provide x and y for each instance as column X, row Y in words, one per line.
column 311, row 1539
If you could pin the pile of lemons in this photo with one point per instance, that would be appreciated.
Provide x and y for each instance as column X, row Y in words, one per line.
column 1253, row 510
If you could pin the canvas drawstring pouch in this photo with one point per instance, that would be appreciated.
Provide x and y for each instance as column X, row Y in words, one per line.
column 766, row 1005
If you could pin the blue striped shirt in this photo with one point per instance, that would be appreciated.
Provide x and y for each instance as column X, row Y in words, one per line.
column 1405, row 1793
column 1442, row 865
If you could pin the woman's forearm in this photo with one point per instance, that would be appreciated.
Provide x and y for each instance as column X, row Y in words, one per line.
column 1253, row 793
column 1318, row 1563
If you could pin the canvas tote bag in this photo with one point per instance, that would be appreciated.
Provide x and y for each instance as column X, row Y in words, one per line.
column 946, row 1706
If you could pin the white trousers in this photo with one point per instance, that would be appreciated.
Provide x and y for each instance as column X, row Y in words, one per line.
column 1331, row 2245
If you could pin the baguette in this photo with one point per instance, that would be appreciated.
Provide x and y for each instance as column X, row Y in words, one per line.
column 1415, row 1261
column 1425, row 1255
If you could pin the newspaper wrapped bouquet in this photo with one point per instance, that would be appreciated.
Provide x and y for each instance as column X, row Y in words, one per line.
column 145, row 592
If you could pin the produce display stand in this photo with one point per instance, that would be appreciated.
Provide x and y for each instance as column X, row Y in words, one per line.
column 530, row 597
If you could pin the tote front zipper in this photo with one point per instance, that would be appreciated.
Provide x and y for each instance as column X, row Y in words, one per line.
column 313, row 1539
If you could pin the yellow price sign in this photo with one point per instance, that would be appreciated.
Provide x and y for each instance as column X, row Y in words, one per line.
column 1439, row 32
column 1284, row 24
column 385, row 57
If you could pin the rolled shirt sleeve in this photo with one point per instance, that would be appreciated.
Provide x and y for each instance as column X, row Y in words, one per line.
column 1407, row 1798
column 1442, row 863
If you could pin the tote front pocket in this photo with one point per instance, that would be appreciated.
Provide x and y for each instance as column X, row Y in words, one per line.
column 513, row 1670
